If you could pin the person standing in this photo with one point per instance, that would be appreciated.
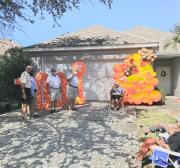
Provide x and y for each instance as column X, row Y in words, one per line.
column 26, row 91
column 53, row 86
column 33, row 95
column 72, row 89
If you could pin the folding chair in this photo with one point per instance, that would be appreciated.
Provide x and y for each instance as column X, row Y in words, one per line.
column 162, row 157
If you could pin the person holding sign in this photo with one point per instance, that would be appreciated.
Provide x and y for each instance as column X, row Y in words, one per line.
column 72, row 88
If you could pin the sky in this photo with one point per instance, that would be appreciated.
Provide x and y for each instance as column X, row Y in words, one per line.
column 124, row 14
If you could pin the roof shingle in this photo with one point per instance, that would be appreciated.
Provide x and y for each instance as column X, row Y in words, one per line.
column 158, row 36
column 93, row 36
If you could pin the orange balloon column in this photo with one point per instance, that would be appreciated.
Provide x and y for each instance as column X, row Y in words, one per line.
column 137, row 77
column 63, row 98
column 81, row 69
column 42, row 98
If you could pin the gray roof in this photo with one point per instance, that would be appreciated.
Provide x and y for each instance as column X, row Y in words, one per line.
column 158, row 36
column 93, row 36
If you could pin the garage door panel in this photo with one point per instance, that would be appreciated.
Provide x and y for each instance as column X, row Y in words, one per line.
column 98, row 80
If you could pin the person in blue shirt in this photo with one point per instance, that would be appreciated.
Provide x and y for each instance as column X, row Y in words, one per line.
column 33, row 95
column 72, row 89
column 116, row 95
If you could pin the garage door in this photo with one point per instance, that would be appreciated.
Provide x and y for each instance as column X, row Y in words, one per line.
column 98, row 80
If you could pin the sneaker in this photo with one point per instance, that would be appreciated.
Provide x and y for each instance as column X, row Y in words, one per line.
column 52, row 111
column 34, row 116
column 23, row 118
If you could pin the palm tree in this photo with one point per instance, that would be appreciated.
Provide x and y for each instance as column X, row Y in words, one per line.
column 175, row 39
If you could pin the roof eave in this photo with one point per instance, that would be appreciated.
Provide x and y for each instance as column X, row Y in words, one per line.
column 168, row 55
column 123, row 46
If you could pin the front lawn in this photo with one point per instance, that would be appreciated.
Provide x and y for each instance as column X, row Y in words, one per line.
column 148, row 118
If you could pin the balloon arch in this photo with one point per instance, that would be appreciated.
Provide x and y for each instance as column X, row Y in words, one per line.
column 137, row 77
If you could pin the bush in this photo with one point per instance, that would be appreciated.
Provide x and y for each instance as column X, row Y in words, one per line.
column 6, row 106
column 13, row 63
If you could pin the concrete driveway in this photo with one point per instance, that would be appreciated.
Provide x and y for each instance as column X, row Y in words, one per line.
column 94, row 137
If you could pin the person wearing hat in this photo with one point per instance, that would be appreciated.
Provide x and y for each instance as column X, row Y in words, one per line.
column 72, row 88
column 53, row 86
column 26, row 91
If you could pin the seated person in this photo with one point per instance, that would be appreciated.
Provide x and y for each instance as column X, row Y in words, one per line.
column 116, row 95
column 171, row 142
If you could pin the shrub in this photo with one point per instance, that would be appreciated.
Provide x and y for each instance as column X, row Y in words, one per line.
column 13, row 63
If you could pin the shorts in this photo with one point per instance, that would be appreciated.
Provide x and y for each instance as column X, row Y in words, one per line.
column 72, row 92
column 114, row 97
column 29, row 97
column 55, row 94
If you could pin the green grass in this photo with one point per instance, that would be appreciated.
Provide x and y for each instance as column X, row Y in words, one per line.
column 148, row 118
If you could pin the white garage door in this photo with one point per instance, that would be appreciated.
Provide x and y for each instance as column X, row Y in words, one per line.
column 98, row 80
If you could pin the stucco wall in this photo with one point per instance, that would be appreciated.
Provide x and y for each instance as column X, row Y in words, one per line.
column 162, row 63
column 176, row 76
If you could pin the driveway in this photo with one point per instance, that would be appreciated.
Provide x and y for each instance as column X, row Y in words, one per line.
column 94, row 137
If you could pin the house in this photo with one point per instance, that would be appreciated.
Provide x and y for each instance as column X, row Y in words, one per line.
column 100, row 48
column 6, row 44
column 167, row 64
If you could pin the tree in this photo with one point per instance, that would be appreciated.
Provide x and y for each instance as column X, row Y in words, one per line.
column 176, row 38
column 13, row 10
column 12, row 65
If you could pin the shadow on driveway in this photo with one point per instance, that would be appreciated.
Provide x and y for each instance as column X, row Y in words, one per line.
column 91, row 137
